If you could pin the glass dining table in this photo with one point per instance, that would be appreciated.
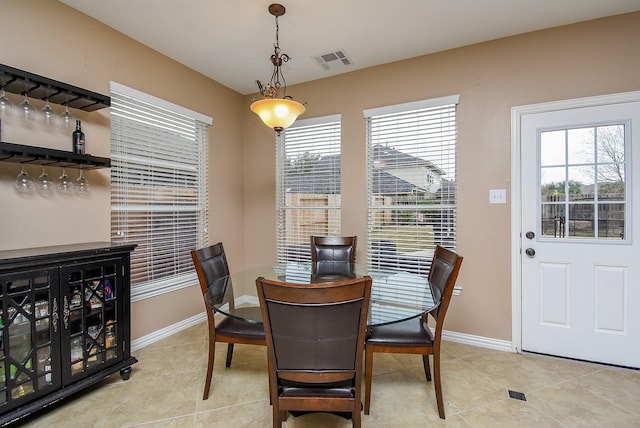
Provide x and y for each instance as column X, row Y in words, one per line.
column 396, row 295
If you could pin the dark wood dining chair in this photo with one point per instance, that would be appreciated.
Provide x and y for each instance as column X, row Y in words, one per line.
column 315, row 344
column 414, row 336
column 330, row 255
column 211, row 266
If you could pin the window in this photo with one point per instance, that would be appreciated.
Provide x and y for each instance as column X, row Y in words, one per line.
column 411, row 164
column 308, row 185
column 158, row 188
column 582, row 183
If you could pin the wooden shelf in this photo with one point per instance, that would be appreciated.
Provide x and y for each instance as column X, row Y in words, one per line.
column 20, row 82
column 30, row 155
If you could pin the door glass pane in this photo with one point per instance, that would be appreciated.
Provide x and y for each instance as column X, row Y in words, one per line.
column 581, row 221
column 611, row 144
column 611, row 221
column 552, row 148
column 44, row 366
column 581, row 183
column 20, row 343
column 608, row 189
column 553, row 220
column 552, row 184
column 580, row 146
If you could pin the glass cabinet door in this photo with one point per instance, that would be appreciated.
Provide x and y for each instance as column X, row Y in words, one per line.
column 90, row 316
column 28, row 336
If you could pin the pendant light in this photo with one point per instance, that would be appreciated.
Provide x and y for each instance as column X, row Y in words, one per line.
column 277, row 112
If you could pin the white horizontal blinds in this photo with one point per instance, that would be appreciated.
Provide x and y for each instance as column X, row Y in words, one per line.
column 308, row 185
column 158, row 191
column 411, row 163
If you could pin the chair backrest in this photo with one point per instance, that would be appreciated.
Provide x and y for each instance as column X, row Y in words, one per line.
column 211, row 264
column 332, row 272
column 443, row 274
column 330, row 254
column 315, row 333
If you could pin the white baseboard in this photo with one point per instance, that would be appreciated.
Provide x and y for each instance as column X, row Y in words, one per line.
column 479, row 341
column 165, row 332
column 467, row 339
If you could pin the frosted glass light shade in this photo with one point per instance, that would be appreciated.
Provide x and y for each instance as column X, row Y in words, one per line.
column 277, row 113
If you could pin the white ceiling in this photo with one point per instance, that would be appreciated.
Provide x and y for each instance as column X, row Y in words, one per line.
column 231, row 41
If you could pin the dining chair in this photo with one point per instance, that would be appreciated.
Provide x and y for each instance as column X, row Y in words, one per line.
column 211, row 266
column 332, row 254
column 414, row 336
column 315, row 344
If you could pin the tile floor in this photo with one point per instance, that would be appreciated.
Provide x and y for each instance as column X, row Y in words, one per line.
column 165, row 390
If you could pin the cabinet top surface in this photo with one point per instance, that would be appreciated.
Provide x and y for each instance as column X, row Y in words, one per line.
column 10, row 257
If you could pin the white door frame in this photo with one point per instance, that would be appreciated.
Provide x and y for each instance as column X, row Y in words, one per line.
column 516, row 203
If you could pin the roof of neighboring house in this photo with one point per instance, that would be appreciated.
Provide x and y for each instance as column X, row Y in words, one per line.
column 321, row 178
column 388, row 157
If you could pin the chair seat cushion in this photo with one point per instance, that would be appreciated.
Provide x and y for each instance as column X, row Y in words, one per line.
column 410, row 332
column 230, row 326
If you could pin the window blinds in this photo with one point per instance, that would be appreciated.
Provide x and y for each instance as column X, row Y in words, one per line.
column 411, row 164
column 158, row 189
column 308, row 185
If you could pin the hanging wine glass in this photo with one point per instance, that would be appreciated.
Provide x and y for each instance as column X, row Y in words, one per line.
column 82, row 184
column 6, row 106
column 26, row 109
column 44, row 183
column 66, row 117
column 64, row 183
column 24, row 183
column 48, row 114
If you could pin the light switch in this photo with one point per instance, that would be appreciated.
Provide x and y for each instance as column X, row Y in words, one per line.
column 498, row 196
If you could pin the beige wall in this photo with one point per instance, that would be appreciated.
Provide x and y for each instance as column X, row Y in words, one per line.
column 47, row 38
column 585, row 59
column 591, row 58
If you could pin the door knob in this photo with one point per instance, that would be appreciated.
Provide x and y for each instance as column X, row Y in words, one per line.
column 530, row 235
column 530, row 252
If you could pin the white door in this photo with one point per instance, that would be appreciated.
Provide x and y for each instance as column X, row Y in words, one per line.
column 580, row 212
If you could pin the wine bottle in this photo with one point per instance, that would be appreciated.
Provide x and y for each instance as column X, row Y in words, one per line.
column 78, row 139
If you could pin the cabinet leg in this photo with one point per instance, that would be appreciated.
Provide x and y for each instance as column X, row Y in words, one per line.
column 125, row 373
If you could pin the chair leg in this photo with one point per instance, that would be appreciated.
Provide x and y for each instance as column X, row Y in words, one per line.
column 229, row 355
column 368, row 371
column 356, row 416
column 277, row 417
column 212, row 353
column 438, row 384
column 427, row 368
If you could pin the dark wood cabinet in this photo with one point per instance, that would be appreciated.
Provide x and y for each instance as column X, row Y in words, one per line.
column 64, row 322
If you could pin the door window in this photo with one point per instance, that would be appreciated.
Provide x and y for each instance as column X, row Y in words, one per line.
column 583, row 190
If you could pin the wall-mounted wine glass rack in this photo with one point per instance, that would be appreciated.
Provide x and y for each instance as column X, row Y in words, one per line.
column 30, row 155
column 38, row 87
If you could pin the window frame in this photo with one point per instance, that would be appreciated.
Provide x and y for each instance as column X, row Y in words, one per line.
column 388, row 164
column 174, row 128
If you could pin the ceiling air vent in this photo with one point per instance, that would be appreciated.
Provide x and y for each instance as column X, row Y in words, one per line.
column 333, row 60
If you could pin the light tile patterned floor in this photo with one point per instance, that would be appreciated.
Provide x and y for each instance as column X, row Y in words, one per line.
column 165, row 390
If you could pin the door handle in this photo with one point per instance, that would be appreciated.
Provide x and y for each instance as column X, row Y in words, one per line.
column 65, row 313
column 530, row 252
column 54, row 315
column 530, row 235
